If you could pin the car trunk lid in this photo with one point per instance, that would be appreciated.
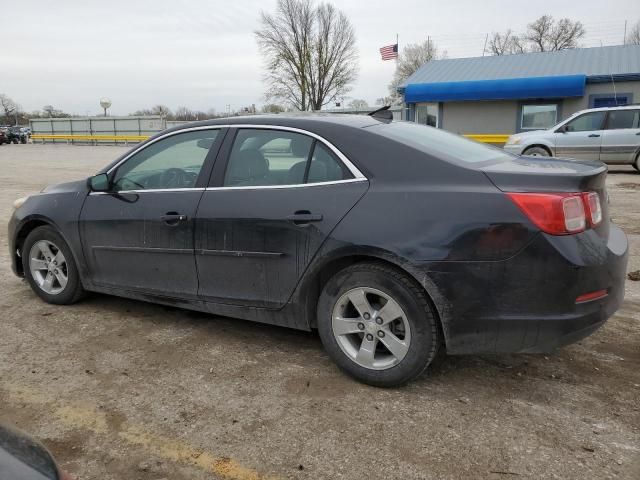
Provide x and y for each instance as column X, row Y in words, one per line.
column 552, row 175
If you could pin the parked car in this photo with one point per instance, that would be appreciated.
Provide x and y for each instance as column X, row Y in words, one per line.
column 3, row 137
column 16, row 134
column 392, row 239
column 611, row 135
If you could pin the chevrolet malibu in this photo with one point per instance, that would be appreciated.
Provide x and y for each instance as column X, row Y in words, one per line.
column 392, row 239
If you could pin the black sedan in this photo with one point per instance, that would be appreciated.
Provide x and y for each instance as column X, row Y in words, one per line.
column 391, row 239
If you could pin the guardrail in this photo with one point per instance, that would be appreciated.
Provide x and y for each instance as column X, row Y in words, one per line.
column 90, row 138
column 488, row 138
column 484, row 138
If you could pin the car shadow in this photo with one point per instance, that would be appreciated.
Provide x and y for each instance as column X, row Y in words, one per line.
column 446, row 371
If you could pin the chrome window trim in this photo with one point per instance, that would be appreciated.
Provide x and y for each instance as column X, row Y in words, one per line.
column 293, row 185
column 352, row 168
column 152, row 190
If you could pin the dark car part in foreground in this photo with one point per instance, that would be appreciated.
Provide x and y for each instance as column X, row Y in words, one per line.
column 391, row 238
column 23, row 458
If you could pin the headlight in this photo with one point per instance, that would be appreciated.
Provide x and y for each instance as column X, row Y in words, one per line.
column 19, row 202
column 513, row 141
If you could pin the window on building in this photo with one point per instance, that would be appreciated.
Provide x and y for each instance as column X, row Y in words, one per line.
column 621, row 119
column 538, row 117
column 427, row 114
column 610, row 101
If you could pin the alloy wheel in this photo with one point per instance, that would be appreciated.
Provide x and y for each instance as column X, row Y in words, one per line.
column 371, row 328
column 48, row 267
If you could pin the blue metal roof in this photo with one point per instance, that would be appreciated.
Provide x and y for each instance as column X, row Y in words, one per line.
column 597, row 62
column 559, row 86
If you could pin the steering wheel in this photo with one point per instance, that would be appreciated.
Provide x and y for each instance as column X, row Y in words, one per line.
column 172, row 178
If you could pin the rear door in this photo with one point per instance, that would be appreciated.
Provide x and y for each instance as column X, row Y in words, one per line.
column 273, row 200
column 581, row 138
column 621, row 137
column 139, row 236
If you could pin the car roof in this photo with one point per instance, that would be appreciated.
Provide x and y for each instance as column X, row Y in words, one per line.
column 633, row 106
column 303, row 119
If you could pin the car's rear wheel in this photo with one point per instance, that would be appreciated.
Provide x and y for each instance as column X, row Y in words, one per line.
column 537, row 152
column 49, row 267
column 637, row 162
column 377, row 324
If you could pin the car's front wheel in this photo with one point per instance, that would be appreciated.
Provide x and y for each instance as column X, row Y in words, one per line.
column 49, row 267
column 377, row 324
column 537, row 152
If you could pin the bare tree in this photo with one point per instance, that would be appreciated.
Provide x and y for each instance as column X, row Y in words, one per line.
column 9, row 107
column 633, row 37
column 413, row 56
column 358, row 104
column 161, row 110
column 505, row 43
column 272, row 108
column 310, row 53
column 184, row 114
column 547, row 34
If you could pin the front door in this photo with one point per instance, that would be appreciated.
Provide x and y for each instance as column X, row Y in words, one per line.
column 139, row 235
column 621, row 138
column 267, row 214
column 581, row 138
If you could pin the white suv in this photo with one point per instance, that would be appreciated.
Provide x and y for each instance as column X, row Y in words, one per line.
column 611, row 135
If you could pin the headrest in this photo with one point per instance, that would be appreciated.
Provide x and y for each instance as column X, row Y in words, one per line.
column 248, row 165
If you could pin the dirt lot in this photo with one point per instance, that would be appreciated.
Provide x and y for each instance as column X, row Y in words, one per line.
column 120, row 389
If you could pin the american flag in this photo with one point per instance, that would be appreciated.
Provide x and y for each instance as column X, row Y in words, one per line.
column 389, row 52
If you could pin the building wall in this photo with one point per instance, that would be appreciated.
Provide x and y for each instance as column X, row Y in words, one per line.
column 480, row 117
column 572, row 105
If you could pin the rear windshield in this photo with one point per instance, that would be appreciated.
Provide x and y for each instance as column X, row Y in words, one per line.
column 440, row 143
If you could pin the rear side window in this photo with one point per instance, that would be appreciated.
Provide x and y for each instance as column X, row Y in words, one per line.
column 438, row 142
column 621, row 119
column 279, row 157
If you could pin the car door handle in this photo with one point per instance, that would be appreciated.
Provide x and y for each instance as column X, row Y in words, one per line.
column 173, row 218
column 302, row 217
column 594, row 135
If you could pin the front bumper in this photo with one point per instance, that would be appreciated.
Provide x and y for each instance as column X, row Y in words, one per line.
column 11, row 235
column 528, row 302
column 515, row 149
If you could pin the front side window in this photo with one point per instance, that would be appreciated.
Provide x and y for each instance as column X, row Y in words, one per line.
column 585, row 123
column 277, row 157
column 538, row 117
column 622, row 119
column 173, row 162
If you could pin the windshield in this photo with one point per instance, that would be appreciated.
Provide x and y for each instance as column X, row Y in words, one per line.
column 440, row 143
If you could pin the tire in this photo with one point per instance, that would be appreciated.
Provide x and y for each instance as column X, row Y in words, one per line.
column 637, row 162
column 537, row 152
column 416, row 329
column 59, row 292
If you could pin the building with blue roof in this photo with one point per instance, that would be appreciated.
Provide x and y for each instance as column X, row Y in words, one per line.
column 513, row 93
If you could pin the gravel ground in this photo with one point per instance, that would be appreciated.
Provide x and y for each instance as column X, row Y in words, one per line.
column 121, row 389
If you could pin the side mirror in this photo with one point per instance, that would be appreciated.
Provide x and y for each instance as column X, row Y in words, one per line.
column 99, row 183
column 563, row 129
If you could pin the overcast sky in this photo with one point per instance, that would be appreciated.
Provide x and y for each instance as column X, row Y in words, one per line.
column 203, row 54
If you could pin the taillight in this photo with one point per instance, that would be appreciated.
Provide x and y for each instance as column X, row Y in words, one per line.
column 560, row 213
column 592, row 199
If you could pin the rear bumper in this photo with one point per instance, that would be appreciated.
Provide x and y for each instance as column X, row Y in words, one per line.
column 528, row 302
